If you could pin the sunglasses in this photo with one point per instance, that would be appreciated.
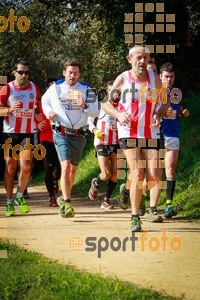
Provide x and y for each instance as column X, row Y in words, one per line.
column 22, row 72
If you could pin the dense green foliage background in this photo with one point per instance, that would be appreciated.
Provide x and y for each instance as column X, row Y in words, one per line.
column 93, row 31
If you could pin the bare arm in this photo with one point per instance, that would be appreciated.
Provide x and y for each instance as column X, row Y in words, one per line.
column 9, row 110
column 164, row 98
column 109, row 106
column 165, row 102
column 183, row 112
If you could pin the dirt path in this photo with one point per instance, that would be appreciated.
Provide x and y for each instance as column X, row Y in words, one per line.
column 100, row 242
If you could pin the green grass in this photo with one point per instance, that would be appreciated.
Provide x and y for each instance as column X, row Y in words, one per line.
column 27, row 275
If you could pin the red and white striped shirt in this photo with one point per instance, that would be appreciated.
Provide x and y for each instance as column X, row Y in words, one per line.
column 139, row 106
column 108, row 126
column 22, row 120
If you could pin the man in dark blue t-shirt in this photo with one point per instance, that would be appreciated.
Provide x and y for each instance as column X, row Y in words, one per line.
column 171, row 132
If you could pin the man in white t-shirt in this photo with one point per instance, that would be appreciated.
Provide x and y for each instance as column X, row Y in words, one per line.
column 67, row 104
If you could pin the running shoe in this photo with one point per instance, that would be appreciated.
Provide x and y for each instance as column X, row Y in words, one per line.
column 10, row 210
column 135, row 225
column 93, row 191
column 124, row 198
column 153, row 216
column 169, row 211
column 53, row 202
column 67, row 211
column 23, row 206
column 105, row 204
column 60, row 201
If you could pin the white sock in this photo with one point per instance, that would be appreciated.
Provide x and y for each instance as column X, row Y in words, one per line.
column 19, row 194
column 10, row 200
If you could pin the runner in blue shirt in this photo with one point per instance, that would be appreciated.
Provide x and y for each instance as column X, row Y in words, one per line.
column 171, row 132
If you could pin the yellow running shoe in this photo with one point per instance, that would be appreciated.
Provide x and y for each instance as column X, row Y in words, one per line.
column 23, row 206
column 10, row 210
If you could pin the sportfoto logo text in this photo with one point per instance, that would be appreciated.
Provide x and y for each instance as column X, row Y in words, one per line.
column 115, row 244
column 23, row 23
column 39, row 151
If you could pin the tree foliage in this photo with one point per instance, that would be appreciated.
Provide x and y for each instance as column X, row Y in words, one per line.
column 93, row 31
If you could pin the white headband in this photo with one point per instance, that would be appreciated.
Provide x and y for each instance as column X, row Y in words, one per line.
column 141, row 48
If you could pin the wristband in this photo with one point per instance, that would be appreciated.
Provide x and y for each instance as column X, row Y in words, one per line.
column 114, row 103
column 86, row 106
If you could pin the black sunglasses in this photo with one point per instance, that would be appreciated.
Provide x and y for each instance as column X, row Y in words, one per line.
column 23, row 72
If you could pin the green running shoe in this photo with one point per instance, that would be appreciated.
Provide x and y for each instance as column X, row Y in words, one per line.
column 124, row 198
column 10, row 210
column 23, row 206
column 67, row 211
column 136, row 225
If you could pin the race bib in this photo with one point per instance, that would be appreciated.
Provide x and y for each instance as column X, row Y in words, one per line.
column 24, row 113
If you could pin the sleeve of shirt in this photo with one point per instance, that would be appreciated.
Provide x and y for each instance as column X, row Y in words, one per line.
column 92, row 103
column 91, row 123
column 4, row 94
column 40, row 111
column 46, row 103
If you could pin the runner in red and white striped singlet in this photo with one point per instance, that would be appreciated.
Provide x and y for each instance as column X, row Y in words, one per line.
column 106, row 145
column 138, row 118
column 140, row 108
column 108, row 125
column 19, row 129
column 22, row 120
